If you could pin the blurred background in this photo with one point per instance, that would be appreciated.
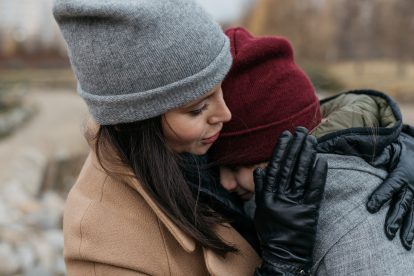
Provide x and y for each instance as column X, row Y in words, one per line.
column 341, row 44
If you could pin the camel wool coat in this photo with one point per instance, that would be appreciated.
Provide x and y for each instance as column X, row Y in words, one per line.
column 113, row 227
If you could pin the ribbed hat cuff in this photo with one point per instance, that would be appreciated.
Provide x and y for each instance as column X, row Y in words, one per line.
column 255, row 145
column 313, row 107
column 114, row 109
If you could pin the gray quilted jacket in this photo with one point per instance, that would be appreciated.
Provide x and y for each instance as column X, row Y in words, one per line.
column 350, row 241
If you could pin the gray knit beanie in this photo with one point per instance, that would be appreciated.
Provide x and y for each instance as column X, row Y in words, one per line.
column 137, row 59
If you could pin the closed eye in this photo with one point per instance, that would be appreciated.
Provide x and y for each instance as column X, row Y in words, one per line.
column 198, row 111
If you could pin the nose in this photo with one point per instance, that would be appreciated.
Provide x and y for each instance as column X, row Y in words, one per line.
column 227, row 179
column 229, row 185
column 222, row 113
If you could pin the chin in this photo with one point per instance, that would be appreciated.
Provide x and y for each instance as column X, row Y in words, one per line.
column 200, row 150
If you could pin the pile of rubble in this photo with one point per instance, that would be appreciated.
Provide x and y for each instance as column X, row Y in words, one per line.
column 31, row 239
column 13, row 110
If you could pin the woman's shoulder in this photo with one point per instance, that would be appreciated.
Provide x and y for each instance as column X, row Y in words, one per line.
column 106, row 221
column 98, row 197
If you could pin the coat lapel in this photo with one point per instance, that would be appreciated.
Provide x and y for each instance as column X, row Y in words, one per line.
column 243, row 262
column 183, row 239
column 126, row 174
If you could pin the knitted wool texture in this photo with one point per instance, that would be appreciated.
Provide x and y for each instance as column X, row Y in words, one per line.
column 137, row 59
column 267, row 94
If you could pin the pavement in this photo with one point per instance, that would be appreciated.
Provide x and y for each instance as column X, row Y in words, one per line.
column 56, row 129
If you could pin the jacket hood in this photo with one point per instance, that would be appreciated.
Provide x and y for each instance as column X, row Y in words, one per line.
column 361, row 123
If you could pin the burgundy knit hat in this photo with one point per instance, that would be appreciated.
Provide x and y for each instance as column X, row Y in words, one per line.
column 266, row 93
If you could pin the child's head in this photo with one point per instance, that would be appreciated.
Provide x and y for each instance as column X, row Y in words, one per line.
column 266, row 93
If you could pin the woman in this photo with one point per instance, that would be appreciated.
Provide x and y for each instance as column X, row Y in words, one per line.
column 150, row 73
column 352, row 128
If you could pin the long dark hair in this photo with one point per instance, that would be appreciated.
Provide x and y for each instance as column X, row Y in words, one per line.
column 142, row 146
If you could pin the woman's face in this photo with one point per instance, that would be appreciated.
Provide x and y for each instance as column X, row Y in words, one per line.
column 194, row 127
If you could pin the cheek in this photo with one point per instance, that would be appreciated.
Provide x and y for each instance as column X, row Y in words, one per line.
column 189, row 133
column 183, row 131
column 245, row 179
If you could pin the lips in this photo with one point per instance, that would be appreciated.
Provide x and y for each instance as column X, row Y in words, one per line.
column 211, row 139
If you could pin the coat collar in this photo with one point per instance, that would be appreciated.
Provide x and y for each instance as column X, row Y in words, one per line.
column 242, row 263
column 127, row 176
column 186, row 242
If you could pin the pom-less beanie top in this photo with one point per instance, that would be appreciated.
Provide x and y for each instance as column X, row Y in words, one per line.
column 267, row 93
column 137, row 59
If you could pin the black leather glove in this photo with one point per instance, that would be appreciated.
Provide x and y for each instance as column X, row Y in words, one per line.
column 399, row 188
column 288, row 195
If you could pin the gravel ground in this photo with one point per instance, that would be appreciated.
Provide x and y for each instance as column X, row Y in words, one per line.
column 31, row 237
column 55, row 129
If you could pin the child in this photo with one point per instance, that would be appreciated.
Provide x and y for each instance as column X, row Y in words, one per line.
column 267, row 93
